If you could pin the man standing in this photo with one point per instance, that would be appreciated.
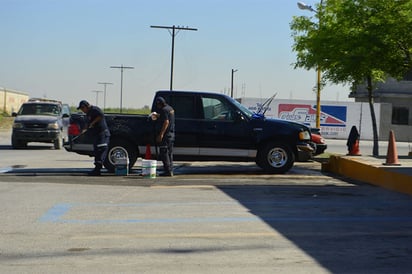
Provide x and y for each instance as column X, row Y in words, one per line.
column 99, row 131
column 166, row 135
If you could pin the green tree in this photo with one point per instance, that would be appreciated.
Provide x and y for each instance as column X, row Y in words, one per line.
column 356, row 42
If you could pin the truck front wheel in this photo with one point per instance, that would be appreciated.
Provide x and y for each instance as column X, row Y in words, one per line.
column 18, row 143
column 275, row 158
column 58, row 142
column 120, row 149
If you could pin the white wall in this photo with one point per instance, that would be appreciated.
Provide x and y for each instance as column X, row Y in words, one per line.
column 11, row 100
column 337, row 118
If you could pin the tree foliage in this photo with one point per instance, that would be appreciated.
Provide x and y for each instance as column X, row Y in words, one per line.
column 353, row 41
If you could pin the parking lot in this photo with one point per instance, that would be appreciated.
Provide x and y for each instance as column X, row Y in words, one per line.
column 210, row 217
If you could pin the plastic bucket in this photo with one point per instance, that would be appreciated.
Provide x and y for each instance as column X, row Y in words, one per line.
column 138, row 165
column 122, row 166
column 149, row 168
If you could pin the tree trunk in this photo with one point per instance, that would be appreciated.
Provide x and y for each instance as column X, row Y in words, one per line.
column 375, row 151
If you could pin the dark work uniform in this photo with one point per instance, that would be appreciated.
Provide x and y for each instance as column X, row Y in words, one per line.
column 101, row 135
column 166, row 145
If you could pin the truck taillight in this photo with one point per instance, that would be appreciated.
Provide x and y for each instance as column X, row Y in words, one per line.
column 73, row 130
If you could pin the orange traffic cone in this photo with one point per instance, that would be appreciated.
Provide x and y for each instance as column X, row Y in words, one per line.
column 392, row 155
column 353, row 142
column 148, row 154
column 354, row 151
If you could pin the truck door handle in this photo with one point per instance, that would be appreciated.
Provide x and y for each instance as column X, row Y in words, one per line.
column 212, row 127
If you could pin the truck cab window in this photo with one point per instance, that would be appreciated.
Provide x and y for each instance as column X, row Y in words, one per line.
column 184, row 106
column 214, row 109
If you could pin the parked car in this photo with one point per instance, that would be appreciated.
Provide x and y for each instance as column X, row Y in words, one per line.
column 40, row 120
column 319, row 142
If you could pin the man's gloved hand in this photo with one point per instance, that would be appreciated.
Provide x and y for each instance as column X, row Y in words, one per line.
column 154, row 115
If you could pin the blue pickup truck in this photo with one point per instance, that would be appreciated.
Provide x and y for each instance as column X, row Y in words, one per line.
column 209, row 127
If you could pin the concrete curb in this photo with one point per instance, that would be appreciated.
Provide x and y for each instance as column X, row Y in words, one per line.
column 358, row 169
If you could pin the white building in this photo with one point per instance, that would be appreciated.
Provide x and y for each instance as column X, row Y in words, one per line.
column 11, row 100
column 336, row 119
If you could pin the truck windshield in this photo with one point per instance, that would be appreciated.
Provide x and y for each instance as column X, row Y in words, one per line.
column 39, row 109
column 242, row 108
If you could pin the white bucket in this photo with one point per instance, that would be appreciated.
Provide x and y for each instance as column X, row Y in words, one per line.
column 149, row 168
column 138, row 164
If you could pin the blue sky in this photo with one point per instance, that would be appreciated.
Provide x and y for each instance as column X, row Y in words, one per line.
column 61, row 49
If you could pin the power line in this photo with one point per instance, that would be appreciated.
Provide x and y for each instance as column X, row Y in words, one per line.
column 121, row 82
column 105, row 84
column 97, row 95
column 173, row 34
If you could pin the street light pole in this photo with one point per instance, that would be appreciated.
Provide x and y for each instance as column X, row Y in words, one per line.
column 231, row 84
column 304, row 6
column 104, row 96
column 121, row 82
column 173, row 28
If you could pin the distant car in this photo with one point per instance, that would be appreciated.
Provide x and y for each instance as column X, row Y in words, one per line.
column 40, row 120
column 318, row 144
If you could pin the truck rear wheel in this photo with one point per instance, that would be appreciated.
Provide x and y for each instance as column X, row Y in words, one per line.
column 275, row 158
column 119, row 149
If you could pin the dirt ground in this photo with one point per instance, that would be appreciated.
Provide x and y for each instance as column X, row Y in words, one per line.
column 6, row 123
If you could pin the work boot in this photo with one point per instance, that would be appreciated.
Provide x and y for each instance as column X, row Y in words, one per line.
column 166, row 174
column 96, row 170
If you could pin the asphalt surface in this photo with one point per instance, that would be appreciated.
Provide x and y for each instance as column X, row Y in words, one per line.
column 209, row 218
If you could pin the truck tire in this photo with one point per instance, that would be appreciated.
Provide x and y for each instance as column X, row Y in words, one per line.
column 275, row 158
column 58, row 142
column 119, row 149
column 18, row 143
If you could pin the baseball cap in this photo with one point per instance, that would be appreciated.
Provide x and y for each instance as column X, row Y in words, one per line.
column 83, row 103
column 160, row 100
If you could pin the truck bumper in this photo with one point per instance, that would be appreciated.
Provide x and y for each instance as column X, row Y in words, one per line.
column 82, row 149
column 305, row 147
column 305, row 152
column 35, row 135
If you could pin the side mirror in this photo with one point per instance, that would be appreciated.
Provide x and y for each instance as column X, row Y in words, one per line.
column 14, row 114
column 66, row 115
column 238, row 116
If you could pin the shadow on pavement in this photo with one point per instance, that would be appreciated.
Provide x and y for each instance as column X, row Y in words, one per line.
column 345, row 231
column 182, row 169
column 346, row 228
column 30, row 147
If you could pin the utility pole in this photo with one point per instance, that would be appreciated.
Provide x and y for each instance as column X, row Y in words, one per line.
column 173, row 34
column 97, row 95
column 231, row 84
column 121, row 82
column 104, row 96
column 304, row 6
